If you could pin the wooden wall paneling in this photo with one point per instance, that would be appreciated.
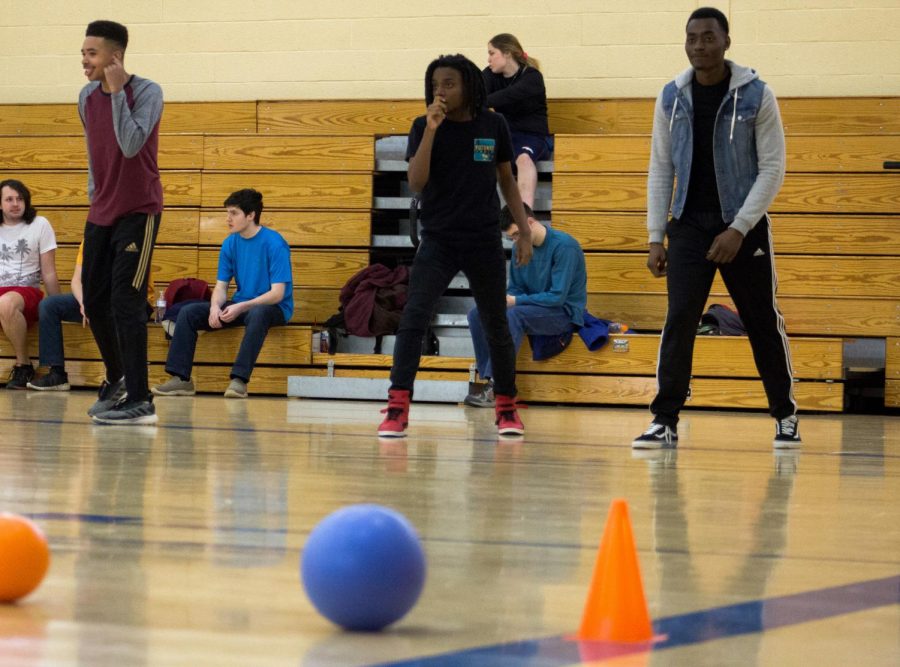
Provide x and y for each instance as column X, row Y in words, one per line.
column 291, row 190
column 337, row 117
column 299, row 228
column 289, row 153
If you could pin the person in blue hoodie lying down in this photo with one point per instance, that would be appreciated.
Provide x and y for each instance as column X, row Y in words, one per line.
column 546, row 297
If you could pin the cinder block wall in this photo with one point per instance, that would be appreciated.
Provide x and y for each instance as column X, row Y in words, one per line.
column 309, row 49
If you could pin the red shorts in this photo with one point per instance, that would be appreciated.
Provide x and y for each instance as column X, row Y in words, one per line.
column 32, row 297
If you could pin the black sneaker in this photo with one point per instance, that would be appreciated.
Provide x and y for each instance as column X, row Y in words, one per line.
column 658, row 436
column 787, row 433
column 52, row 381
column 20, row 376
column 108, row 396
column 128, row 412
column 482, row 399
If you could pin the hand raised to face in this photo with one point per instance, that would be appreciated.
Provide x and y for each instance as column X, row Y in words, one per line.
column 115, row 75
column 436, row 113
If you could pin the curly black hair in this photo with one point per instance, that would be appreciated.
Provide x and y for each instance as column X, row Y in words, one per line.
column 473, row 82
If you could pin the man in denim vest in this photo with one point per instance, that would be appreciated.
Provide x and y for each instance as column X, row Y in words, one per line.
column 718, row 143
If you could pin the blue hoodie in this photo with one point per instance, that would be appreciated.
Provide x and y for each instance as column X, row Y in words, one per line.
column 555, row 276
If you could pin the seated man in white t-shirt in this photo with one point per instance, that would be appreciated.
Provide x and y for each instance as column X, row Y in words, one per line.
column 27, row 256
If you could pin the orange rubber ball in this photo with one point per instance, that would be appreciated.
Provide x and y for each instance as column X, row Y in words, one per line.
column 24, row 557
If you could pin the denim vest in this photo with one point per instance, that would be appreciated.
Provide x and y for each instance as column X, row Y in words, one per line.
column 734, row 144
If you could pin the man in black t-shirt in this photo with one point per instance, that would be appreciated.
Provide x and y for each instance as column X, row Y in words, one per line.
column 717, row 163
column 458, row 152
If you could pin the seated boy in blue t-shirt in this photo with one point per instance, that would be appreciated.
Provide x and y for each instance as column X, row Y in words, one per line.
column 259, row 261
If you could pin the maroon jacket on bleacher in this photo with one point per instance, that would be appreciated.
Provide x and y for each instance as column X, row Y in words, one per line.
column 373, row 300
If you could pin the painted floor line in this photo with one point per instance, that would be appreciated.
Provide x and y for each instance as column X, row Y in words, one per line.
column 682, row 630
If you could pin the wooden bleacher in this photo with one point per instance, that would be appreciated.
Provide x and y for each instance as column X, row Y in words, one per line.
column 835, row 227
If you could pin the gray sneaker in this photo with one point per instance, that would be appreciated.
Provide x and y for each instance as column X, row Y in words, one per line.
column 128, row 412
column 236, row 389
column 483, row 398
column 52, row 381
column 175, row 387
column 108, row 396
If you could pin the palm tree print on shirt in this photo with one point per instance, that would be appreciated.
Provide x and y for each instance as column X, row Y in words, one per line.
column 11, row 275
column 22, row 250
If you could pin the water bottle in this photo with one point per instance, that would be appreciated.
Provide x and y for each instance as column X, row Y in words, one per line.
column 160, row 307
column 325, row 340
column 618, row 328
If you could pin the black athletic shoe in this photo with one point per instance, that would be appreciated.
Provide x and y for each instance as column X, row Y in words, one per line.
column 128, row 412
column 52, row 381
column 482, row 399
column 658, row 436
column 108, row 396
column 20, row 376
column 787, row 433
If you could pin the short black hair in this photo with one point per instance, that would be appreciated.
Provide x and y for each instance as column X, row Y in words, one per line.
column 109, row 30
column 30, row 212
column 247, row 200
column 709, row 13
column 473, row 81
column 507, row 219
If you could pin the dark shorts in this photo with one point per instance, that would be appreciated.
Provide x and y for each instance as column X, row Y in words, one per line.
column 535, row 146
column 32, row 297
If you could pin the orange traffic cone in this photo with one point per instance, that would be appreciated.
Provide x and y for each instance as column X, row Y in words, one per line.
column 616, row 610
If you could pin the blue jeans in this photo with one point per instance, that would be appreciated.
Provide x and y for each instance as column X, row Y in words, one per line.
column 195, row 317
column 53, row 311
column 434, row 266
column 526, row 319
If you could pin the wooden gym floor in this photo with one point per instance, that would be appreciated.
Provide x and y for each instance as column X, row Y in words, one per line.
column 179, row 544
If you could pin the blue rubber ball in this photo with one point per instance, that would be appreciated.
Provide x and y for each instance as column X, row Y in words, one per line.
column 363, row 567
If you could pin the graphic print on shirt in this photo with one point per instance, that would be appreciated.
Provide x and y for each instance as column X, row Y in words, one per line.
column 484, row 150
column 11, row 269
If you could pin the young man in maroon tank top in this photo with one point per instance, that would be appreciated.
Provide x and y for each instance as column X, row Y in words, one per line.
column 120, row 113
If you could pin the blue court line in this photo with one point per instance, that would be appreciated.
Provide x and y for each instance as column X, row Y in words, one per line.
column 685, row 629
column 86, row 518
column 112, row 519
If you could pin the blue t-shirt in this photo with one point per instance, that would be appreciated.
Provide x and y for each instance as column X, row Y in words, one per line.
column 257, row 263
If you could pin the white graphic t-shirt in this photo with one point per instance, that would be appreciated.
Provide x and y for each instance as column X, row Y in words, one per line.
column 21, row 247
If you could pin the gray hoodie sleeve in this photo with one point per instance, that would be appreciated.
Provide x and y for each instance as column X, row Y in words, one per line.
column 771, row 159
column 661, row 176
column 133, row 126
column 82, row 100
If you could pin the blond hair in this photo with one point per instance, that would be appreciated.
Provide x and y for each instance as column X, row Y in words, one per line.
column 507, row 43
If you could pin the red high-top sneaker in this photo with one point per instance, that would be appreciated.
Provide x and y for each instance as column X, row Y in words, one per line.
column 508, row 422
column 397, row 411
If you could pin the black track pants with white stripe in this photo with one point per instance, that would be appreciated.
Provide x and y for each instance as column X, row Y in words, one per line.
column 114, row 274
column 752, row 283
